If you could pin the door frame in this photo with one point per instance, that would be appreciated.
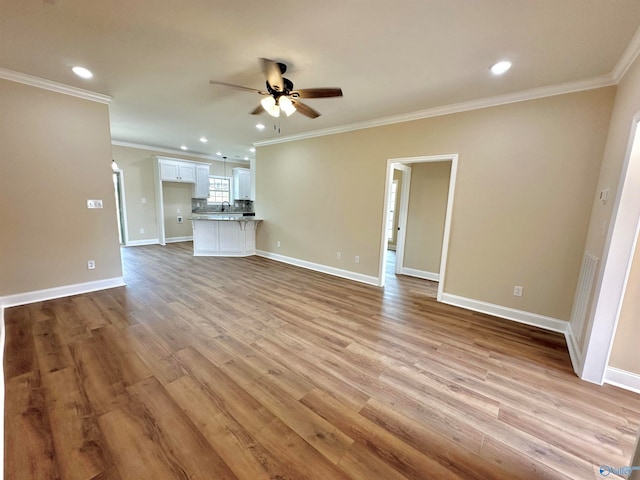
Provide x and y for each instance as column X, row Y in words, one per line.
column 402, row 207
column 618, row 257
column 393, row 163
column 121, row 204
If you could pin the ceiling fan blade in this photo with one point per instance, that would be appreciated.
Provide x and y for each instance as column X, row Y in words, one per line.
column 258, row 110
column 272, row 71
column 304, row 109
column 238, row 87
column 317, row 92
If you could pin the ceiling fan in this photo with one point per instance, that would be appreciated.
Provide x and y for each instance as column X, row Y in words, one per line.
column 280, row 95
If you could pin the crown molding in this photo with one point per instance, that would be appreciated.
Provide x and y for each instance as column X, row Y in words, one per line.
column 171, row 151
column 53, row 86
column 532, row 94
column 627, row 58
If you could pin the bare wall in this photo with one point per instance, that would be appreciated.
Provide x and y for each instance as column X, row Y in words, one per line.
column 55, row 153
column 526, row 176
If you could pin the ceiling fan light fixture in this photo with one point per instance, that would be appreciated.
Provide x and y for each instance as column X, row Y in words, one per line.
column 270, row 106
column 287, row 106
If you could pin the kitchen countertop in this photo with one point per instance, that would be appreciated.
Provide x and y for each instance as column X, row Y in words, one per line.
column 221, row 217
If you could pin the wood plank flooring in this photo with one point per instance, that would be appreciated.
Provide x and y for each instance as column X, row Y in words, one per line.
column 216, row 368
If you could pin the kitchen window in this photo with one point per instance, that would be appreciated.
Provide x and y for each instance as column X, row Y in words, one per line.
column 219, row 190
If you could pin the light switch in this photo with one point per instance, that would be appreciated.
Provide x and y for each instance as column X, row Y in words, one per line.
column 94, row 203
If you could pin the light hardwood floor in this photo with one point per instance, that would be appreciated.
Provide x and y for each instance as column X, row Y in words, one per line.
column 213, row 368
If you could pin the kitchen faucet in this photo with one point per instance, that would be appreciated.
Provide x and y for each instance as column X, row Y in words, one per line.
column 222, row 207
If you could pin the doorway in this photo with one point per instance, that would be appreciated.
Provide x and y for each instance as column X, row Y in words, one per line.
column 404, row 164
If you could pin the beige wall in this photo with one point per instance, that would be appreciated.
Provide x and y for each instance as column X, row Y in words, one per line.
column 526, row 177
column 426, row 215
column 139, row 184
column 55, row 153
column 177, row 198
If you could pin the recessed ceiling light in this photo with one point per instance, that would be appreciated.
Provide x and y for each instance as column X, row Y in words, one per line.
column 252, row 149
column 82, row 72
column 203, row 139
column 260, row 126
column 219, row 154
column 246, row 158
column 501, row 67
column 183, row 147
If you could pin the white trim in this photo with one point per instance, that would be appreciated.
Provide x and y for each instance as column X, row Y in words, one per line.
column 623, row 379
column 140, row 243
column 53, row 86
column 627, row 58
column 182, row 153
column 575, row 353
column 1, row 392
column 523, row 96
column 337, row 272
column 179, row 239
column 57, row 292
column 520, row 316
column 412, row 272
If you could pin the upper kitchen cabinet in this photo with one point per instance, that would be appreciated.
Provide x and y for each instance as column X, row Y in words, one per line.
column 176, row 171
column 241, row 184
column 201, row 189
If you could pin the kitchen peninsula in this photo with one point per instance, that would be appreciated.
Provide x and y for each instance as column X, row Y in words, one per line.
column 224, row 234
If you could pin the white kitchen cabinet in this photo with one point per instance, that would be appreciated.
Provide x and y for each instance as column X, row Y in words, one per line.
column 174, row 171
column 241, row 184
column 224, row 237
column 201, row 189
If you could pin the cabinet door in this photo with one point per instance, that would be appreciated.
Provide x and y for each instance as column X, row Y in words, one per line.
column 169, row 172
column 187, row 173
column 242, row 183
column 201, row 189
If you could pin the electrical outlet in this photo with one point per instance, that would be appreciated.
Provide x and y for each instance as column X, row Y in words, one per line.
column 180, row 219
column 338, row 255
column 517, row 291
column 91, row 264
column 94, row 203
column 357, row 260
column 278, row 244
column 142, row 230
column 144, row 200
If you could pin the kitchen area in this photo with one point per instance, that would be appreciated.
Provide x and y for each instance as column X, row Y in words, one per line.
column 216, row 211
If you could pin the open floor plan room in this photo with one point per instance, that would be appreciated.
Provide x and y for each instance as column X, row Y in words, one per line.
column 211, row 368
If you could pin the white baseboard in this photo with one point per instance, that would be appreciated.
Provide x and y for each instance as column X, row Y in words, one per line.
column 139, row 243
column 179, row 239
column 57, row 292
column 574, row 350
column 337, row 272
column 623, row 379
column 520, row 316
column 412, row 272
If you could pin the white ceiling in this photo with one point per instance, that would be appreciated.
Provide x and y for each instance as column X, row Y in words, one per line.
column 391, row 57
